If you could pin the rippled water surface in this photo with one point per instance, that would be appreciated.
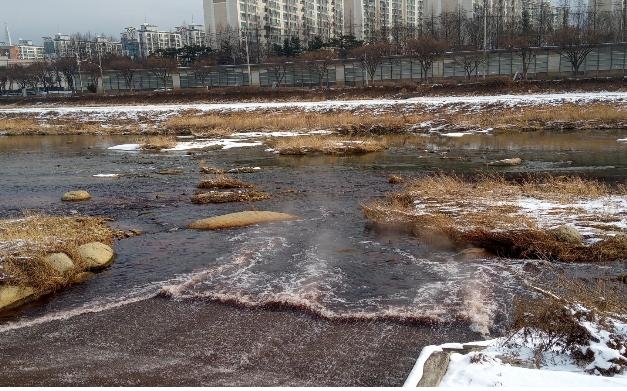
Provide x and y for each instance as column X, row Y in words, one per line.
column 324, row 300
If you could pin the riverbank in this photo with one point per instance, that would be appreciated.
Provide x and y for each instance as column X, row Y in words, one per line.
column 41, row 254
column 382, row 90
column 441, row 115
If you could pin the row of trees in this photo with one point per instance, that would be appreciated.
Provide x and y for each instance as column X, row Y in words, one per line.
column 71, row 72
column 575, row 40
column 493, row 24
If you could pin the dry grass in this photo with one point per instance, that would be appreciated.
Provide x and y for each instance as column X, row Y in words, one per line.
column 18, row 125
column 328, row 145
column 395, row 179
column 386, row 121
column 224, row 124
column 157, row 143
column 223, row 182
column 219, row 197
column 564, row 116
column 484, row 213
column 25, row 242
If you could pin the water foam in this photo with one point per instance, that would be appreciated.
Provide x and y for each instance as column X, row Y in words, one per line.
column 313, row 284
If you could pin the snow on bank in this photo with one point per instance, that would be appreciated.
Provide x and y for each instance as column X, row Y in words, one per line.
column 622, row 140
column 515, row 361
column 106, row 175
column 197, row 144
column 593, row 218
column 163, row 111
column 492, row 372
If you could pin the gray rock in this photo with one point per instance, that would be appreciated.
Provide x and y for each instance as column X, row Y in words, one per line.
column 15, row 296
column 568, row 234
column 76, row 195
column 60, row 262
column 434, row 369
column 507, row 162
column 96, row 255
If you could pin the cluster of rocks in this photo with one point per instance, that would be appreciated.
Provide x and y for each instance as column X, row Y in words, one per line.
column 95, row 256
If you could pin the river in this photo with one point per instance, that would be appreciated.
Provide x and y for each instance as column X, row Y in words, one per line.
column 325, row 300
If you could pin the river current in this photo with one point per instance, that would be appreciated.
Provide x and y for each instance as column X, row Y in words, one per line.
column 324, row 300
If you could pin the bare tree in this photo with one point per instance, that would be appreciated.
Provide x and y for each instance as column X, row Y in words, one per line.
column 471, row 63
column 68, row 67
column 125, row 67
column 521, row 46
column 4, row 80
column 426, row 50
column 277, row 67
column 41, row 74
column 161, row 68
column 318, row 62
column 574, row 45
column 22, row 76
column 371, row 57
column 202, row 68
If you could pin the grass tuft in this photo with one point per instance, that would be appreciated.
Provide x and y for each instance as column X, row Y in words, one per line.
column 327, row 145
column 487, row 213
column 25, row 242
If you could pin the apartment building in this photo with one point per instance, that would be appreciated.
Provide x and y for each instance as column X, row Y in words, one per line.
column 63, row 45
column 150, row 39
column 193, row 35
column 274, row 20
column 27, row 51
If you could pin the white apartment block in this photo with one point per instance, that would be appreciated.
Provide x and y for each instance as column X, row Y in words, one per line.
column 274, row 20
column 151, row 39
column 192, row 35
column 26, row 51
column 63, row 45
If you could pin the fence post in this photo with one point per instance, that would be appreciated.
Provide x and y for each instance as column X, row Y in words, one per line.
column 553, row 63
column 340, row 78
column 255, row 79
column 176, row 81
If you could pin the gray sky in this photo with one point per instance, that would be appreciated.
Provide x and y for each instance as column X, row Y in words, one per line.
column 33, row 19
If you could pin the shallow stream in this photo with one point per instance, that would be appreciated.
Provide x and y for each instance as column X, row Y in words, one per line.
column 324, row 300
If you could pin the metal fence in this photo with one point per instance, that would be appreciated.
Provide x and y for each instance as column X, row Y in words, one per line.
column 547, row 63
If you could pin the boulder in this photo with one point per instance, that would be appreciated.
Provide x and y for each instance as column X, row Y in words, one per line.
column 241, row 219
column 507, row 162
column 77, row 195
column 15, row 296
column 60, row 262
column 96, row 255
column 568, row 234
column 434, row 369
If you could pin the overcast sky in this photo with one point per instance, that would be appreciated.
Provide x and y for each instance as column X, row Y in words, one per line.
column 33, row 19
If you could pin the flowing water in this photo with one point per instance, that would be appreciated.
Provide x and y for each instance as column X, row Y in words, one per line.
column 324, row 300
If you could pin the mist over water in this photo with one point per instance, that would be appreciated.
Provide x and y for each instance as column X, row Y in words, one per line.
column 254, row 306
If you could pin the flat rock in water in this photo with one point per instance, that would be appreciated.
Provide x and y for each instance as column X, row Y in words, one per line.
column 60, row 262
column 96, row 255
column 77, row 195
column 14, row 296
column 507, row 162
column 241, row 219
